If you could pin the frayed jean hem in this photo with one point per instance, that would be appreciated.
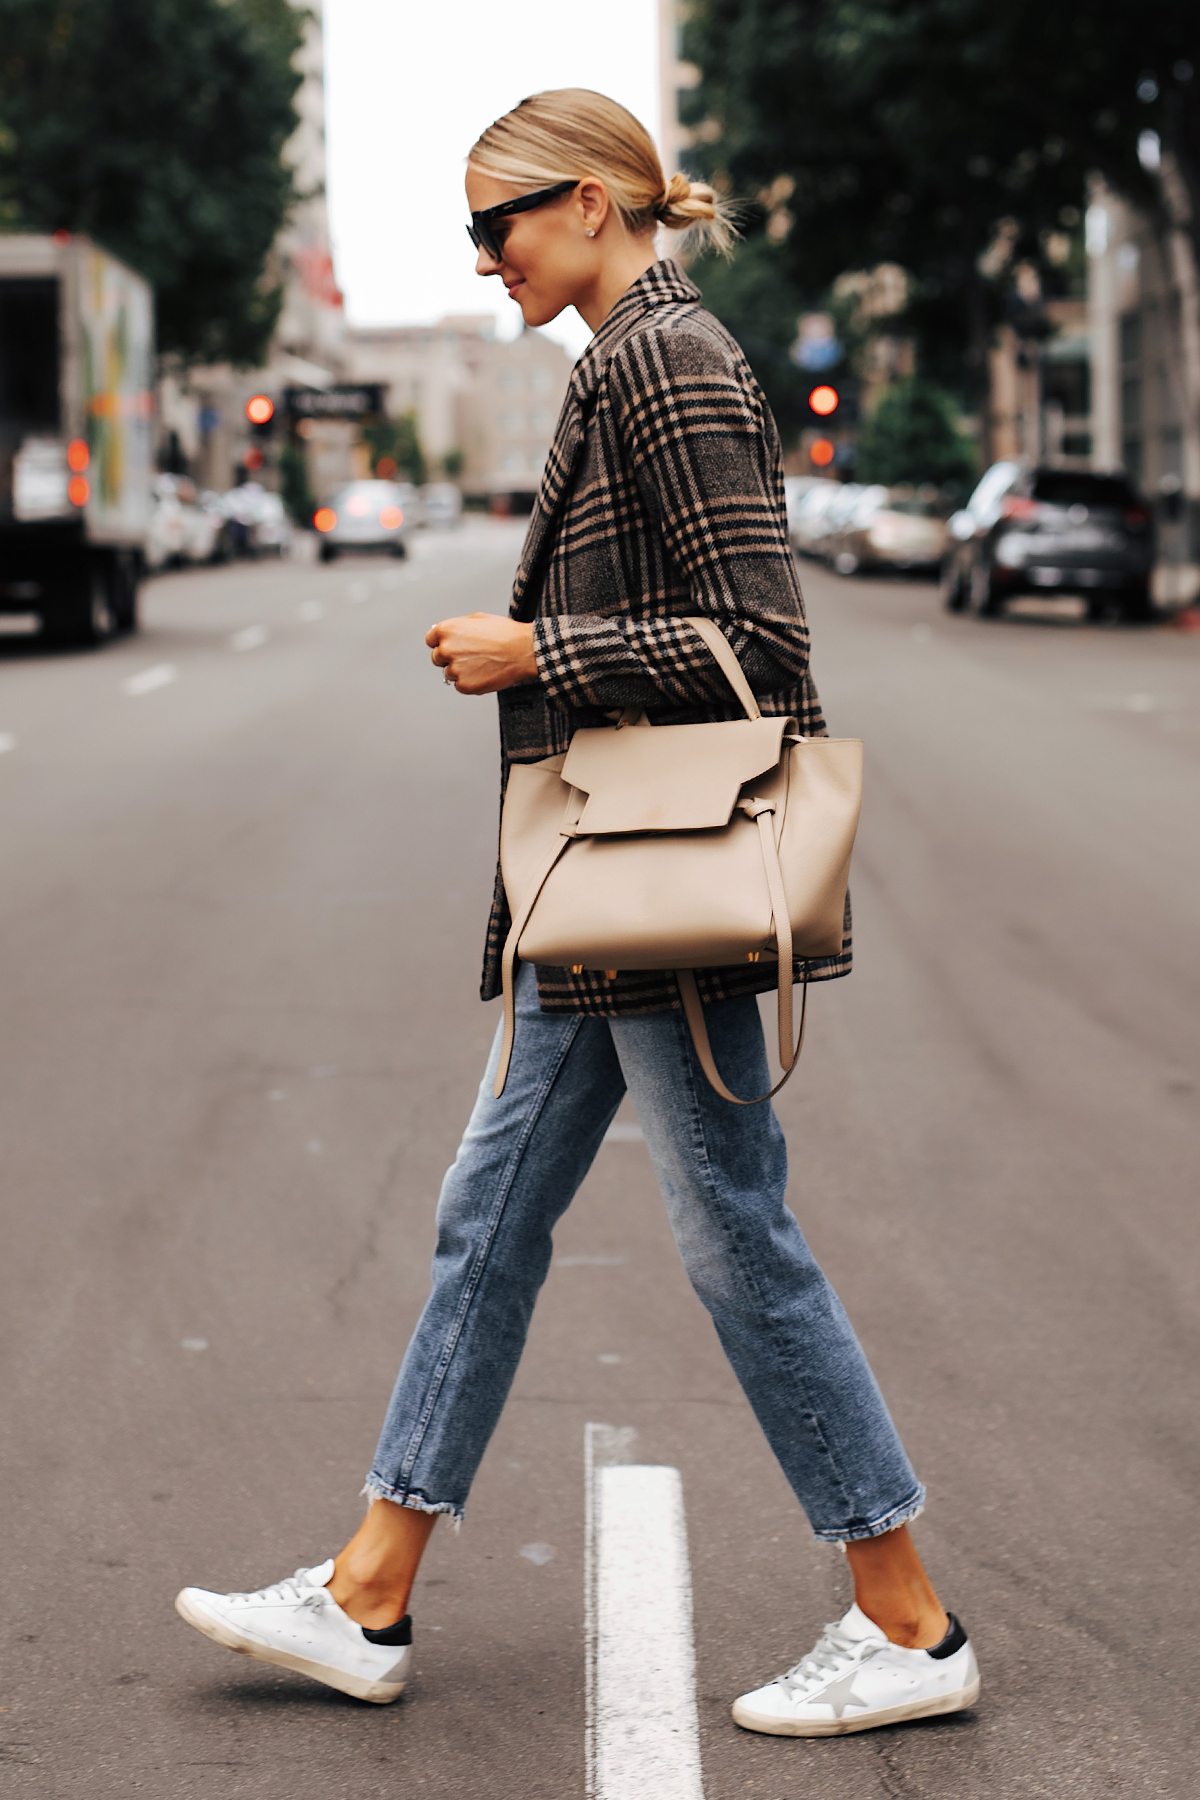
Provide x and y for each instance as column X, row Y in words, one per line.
column 374, row 1489
column 900, row 1515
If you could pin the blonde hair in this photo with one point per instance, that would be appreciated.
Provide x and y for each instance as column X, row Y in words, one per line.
column 573, row 132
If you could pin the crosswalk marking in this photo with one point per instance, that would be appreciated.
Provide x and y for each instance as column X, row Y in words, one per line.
column 643, row 1731
column 148, row 681
column 250, row 637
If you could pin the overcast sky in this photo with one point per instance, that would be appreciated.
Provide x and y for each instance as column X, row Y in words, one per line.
column 410, row 86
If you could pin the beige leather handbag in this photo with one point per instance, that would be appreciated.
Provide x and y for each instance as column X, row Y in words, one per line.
column 682, row 847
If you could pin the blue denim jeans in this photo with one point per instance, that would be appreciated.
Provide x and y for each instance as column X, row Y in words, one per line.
column 722, row 1170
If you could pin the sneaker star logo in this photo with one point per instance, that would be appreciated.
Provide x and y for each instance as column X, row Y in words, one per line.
column 840, row 1694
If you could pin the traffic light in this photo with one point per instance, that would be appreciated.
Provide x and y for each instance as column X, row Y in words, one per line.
column 260, row 410
column 824, row 400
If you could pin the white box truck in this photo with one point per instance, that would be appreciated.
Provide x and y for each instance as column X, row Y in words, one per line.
column 76, row 435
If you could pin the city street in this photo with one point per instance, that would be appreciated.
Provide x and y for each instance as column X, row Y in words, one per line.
column 247, row 864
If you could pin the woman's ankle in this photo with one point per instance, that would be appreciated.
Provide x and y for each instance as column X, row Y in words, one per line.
column 893, row 1590
column 372, row 1601
column 906, row 1626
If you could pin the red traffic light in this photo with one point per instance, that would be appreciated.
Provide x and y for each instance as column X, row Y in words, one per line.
column 260, row 409
column 823, row 400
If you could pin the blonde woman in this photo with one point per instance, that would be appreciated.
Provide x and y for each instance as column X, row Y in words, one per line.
column 662, row 498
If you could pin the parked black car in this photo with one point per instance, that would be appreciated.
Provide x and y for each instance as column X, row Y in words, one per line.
column 1051, row 531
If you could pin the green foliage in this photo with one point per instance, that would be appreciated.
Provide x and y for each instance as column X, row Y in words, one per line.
column 157, row 127
column 907, row 130
column 912, row 437
column 400, row 440
column 453, row 463
column 293, row 483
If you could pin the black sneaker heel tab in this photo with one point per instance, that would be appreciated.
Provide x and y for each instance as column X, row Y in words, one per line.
column 399, row 1633
column 954, row 1640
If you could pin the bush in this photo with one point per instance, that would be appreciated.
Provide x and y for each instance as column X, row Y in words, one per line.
column 912, row 437
column 397, row 441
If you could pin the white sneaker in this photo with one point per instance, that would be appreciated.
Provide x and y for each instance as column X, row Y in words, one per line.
column 856, row 1678
column 299, row 1625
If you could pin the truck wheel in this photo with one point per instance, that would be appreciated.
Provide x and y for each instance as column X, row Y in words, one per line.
column 82, row 611
column 126, row 574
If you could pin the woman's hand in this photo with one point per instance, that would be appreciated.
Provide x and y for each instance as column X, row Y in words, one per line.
column 483, row 652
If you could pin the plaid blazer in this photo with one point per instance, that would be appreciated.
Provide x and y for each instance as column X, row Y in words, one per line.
column 662, row 497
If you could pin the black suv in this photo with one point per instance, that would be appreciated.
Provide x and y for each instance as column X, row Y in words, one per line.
column 1051, row 531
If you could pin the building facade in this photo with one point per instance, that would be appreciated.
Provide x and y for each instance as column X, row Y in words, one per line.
column 485, row 407
column 1144, row 341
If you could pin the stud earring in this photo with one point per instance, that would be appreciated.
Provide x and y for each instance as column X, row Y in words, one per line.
column 588, row 232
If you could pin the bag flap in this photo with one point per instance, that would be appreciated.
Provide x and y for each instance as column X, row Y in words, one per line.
column 668, row 777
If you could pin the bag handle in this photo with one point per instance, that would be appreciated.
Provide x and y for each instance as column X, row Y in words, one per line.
column 722, row 652
column 693, row 1008
column 762, row 812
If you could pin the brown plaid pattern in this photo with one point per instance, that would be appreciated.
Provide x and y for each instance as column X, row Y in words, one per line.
column 662, row 497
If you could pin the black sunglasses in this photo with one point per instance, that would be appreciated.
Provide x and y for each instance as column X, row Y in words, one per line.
column 480, row 229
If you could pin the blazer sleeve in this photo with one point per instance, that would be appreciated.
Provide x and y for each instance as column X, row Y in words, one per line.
column 703, row 450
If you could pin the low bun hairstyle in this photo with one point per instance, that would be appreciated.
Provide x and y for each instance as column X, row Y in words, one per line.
column 573, row 133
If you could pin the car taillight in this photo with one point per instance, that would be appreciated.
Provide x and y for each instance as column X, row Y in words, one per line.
column 324, row 519
column 1136, row 516
column 78, row 491
column 1015, row 507
column 391, row 518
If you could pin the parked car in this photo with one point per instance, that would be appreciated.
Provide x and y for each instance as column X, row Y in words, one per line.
column 443, row 505
column 181, row 529
column 894, row 528
column 256, row 521
column 368, row 515
column 1052, row 531
column 807, row 522
column 795, row 487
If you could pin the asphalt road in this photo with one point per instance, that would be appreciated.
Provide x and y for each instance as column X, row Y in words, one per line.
column 240, row 917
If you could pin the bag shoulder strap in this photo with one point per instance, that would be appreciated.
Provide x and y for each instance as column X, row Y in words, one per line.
column 730, row 667
column 763, row 813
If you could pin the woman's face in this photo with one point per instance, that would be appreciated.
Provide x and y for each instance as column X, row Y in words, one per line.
column 548, row 260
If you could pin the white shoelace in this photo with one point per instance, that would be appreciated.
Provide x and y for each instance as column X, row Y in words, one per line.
column 834, row 1650
column 293, row 1588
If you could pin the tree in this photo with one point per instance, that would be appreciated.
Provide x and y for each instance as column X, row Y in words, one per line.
column 912, row 437
column 398, row 442
column 752, row 294
column 158, row 127
column 941, row 135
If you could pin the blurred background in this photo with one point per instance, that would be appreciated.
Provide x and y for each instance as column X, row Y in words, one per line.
column 969, row 239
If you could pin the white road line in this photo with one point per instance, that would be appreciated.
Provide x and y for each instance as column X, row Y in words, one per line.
column 251, row 637
column 643, row 1738
column 148, row 681
column 7, row 742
